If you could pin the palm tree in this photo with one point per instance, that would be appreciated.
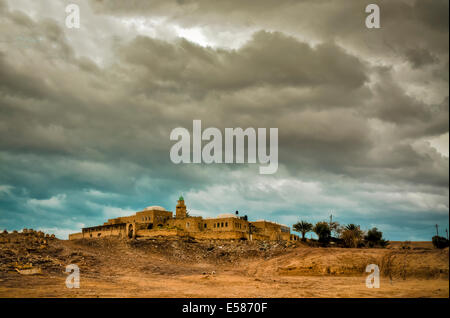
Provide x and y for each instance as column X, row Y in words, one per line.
column 352, row 235
column 322, row 229
column 352, row 227
column 303, row 227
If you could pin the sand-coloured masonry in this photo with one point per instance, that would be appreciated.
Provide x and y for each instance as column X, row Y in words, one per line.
column 155, row 221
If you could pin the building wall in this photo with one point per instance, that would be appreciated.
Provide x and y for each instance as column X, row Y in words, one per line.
column 150, row 223
column 272, row 230
column 285, row 236
column 100, row 231
column 225, row 224
column 173, row 232
column 75, row 236
column 160, row 232
column 147, row 216
column 188, row 224
column 258, row 237
column 215, row 235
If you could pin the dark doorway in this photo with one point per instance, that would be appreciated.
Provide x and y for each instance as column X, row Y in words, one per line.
column 130, row 231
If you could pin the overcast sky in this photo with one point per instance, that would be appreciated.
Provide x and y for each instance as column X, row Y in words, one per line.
column 362, row 114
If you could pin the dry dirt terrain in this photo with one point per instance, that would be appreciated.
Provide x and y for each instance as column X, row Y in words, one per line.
column 112, row 267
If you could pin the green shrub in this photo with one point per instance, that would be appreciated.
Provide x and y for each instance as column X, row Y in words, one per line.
column 440, row 242
column 374, row 238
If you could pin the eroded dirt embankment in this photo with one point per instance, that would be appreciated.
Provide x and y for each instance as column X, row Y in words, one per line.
column 112, row 267
column 256, row 258
column 423, row 264
column 277, row 258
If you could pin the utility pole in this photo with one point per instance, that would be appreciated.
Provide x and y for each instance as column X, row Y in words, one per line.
column 331, row 223
column 331, row 218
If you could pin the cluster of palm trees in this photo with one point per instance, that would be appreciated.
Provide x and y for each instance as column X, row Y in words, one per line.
column 349, row 235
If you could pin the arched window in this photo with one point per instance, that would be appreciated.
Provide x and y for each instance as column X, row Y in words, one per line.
column 205, row 225
column 226, row 224
column 221, row 225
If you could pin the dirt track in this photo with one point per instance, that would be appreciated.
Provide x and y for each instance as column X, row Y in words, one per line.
column 179, row 268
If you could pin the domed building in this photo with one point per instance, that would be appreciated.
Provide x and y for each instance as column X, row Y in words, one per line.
column 156, row 221
column 154, row 208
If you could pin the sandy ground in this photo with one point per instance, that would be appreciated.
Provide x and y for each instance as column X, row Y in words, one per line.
column 194, row 270
column 222, row 285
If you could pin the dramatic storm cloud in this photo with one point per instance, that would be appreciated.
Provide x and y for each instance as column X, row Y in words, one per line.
column 362, row 114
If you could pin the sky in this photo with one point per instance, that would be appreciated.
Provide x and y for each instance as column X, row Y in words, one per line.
column 362, row 114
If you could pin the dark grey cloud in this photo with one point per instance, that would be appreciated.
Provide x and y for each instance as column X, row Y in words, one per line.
column 405, row 24
column 420, row 57
column 268, row 59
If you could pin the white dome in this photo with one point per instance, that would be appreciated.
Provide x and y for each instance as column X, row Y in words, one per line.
column 226, row 215
column 154, row 207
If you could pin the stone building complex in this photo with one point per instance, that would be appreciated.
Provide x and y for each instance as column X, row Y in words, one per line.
column 155, row 221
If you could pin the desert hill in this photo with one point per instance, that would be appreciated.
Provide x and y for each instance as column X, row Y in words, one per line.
column 180, row 267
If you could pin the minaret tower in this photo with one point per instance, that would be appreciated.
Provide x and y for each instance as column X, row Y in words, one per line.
column 181, row 209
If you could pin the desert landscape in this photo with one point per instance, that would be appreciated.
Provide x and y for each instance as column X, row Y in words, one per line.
column 33, row 265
